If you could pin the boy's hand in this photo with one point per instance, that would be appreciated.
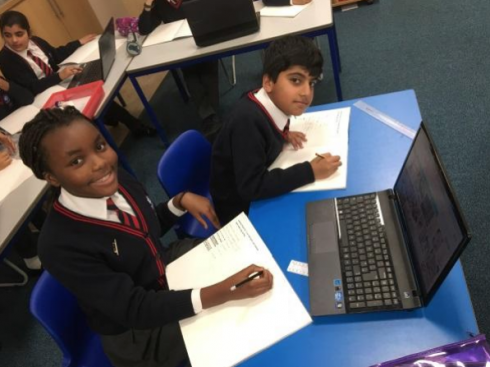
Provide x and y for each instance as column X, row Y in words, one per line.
column 221, row 292
column 8, row 143
column 5, row 159
column 69, row 70
column 296, row 139
column 325, row 165
column 200, row 206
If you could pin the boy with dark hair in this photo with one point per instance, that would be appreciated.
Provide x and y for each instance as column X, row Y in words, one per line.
column 258, row 128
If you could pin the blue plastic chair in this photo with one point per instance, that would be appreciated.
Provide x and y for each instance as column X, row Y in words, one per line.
column 58, row 311
column 186, row 166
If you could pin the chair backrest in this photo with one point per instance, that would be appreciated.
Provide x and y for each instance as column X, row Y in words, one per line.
column 58, row 311
column 186, row 166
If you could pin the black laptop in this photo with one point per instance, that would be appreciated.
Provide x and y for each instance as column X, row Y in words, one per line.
column 388, row 250
column 99, row 69
column 215, row 21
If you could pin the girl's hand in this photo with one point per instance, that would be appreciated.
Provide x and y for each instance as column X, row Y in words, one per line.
column 222, row 292
column 296, row 139
column 5, row 159
column 8, row 143
column 69, row 71
column 87, row 38
column 198, row 206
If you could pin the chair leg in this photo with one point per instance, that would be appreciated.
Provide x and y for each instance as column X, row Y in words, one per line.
column 19, row 271
column 232, row 79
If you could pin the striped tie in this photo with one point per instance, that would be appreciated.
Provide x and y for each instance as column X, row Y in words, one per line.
column 125, row 218
column 286, row 129
column 46, row 69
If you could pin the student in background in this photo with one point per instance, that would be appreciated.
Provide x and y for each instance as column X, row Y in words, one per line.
column 257, row 129
column 33, row 63
column 201, row 79
column 101, row 241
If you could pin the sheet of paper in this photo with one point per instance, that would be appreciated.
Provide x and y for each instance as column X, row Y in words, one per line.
column 12, row 177
column 228, row 334
column 14, row 122
column 282, row 11
column 166, row 32
column 184, row 30
column 43, row 97
column 89, row 51
column 326, row 132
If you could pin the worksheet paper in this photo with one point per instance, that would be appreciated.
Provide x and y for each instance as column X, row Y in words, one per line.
column 168, row 32
column 326, row 132
column 282, row 11
column 89, row 51
column 230, row 333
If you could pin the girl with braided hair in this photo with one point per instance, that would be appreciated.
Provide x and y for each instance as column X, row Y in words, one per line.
column 101, row 241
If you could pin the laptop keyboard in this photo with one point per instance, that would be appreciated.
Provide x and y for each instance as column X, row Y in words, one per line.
column 367, row 268
column 91, row 73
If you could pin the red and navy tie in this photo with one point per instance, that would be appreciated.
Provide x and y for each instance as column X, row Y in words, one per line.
column 125, row 218
column 46, row 69
column 285, row 131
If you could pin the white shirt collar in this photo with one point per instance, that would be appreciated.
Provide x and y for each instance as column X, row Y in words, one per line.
column 279, row 117
column 89, row 207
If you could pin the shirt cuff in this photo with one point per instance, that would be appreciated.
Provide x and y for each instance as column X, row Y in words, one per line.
column 174, row 210
column 196, row 300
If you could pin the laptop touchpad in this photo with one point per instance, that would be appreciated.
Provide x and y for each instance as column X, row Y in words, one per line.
column 323, row 237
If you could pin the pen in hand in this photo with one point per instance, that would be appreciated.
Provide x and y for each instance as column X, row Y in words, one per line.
column 319, row 156
column 250, row 277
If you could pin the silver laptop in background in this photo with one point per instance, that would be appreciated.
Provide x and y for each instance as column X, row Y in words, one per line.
column 388, row 250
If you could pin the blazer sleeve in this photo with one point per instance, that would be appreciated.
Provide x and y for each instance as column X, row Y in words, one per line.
column 276, row 2
column 20, row 95
column 254, row 181
column 149, row 20
column 56, row 54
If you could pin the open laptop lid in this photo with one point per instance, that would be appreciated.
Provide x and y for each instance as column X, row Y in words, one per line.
column 107, row 48
column 214, row 21
column 433, row 222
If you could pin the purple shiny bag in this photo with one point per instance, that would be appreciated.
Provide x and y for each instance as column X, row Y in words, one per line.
column 126, row 25
column 474, row 352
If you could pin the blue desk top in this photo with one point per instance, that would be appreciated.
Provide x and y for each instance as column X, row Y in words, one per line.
column 376, row 155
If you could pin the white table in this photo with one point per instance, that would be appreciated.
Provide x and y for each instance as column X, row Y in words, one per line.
column 314, row 20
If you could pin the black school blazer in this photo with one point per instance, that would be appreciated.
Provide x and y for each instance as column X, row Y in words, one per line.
column 18, row 70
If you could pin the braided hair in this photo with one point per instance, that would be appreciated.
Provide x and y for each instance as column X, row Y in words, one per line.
column 31, row 150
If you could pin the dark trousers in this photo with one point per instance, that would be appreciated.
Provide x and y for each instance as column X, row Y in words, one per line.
column 203, row 84
column 116, row 113
column 159, row 347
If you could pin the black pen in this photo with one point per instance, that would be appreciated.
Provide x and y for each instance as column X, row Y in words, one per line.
column 250, row 277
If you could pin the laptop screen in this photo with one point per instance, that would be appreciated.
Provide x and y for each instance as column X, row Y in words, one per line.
column 435, row 227
column 107, row 48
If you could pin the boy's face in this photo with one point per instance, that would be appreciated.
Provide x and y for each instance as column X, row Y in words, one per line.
column 293, row 90
column 80, row 160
